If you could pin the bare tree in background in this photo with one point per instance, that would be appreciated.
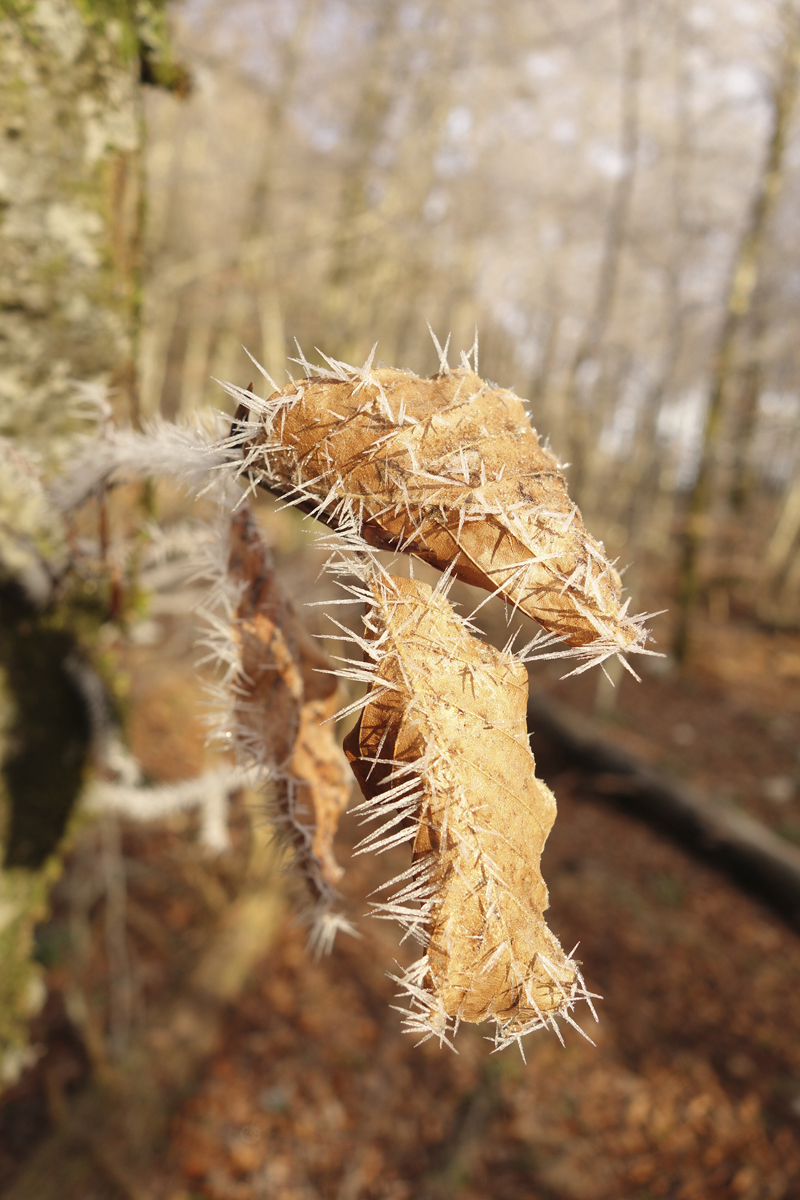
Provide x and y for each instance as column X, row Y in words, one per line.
column 738, row 308
column 587, row 366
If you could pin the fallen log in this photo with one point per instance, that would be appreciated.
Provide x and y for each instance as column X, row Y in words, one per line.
column 757, row 859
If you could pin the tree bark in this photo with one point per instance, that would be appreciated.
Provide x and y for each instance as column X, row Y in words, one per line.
column 71, row 216
column 590, row 343
column 70, row 225
column 738, row 308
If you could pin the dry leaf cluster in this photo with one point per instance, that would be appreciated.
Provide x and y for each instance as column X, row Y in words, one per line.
column 282, row 696
column 450, row 471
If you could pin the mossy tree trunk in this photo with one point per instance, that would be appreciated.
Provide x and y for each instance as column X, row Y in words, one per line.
column 70, row 205
column 70, row 227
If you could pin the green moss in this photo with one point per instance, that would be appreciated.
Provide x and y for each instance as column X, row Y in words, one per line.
column 16, row 10
column 140, row 31
column 100, row 14
column 23, row 903
column 51, row 269
column 21, row 13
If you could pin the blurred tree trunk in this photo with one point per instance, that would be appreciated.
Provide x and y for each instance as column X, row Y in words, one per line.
column 70, row 214
column 645, row 476
column 580, row 389
column 70, row 226
column 384, row 273
column 752, row 377
column 781, row 563
column 350, row 233
column 260, row 220
column 738, row 308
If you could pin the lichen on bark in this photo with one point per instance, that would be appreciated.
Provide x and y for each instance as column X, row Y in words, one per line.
column 70, row 197
column 70, row 225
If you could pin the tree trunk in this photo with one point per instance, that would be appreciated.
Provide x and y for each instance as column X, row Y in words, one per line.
column 739, row 302
column 70, row 224
column 590, row 344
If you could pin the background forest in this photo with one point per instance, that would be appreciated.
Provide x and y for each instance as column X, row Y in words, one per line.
column 609, row 192
column 608, row 195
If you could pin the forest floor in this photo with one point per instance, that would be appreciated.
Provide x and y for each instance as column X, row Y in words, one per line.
column 693, row 1087
column 312, row 1092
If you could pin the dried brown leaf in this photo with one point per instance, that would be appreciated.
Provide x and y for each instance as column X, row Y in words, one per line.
column 284, row 694
column 441, row 751
column 321, row 782
column 268, row 689
column 449, row 469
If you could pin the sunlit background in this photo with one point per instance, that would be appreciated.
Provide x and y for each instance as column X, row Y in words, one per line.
column 608, row 192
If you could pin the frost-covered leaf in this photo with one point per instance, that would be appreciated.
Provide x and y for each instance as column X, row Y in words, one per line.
column 283, row 694
column 448, row 469
column 321, row 783
column 268, row 688
column 441, row 754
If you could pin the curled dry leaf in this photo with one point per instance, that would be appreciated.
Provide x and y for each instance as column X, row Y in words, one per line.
column 268, row 690
column 283, row 692
column 448, row 469
column 441, row 752
column 320, row 784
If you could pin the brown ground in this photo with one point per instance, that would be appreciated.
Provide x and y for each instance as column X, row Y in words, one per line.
column 693, row 1089
column 730, row 722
